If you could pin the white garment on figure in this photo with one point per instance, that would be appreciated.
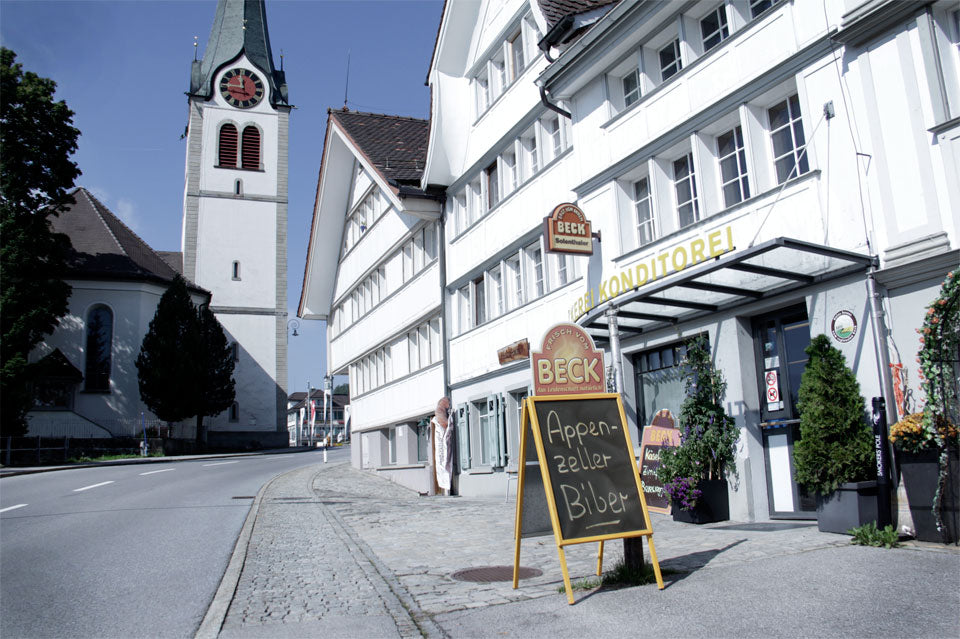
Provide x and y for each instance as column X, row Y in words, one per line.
column 442, row 452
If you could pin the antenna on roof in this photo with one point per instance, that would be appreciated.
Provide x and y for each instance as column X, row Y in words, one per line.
column 346, row 86
column 281, row 59
column 195, row 38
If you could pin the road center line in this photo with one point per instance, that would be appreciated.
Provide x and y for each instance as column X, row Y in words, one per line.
column 3, row 510
column 153, row 472
column 221, row 463
column 103, row 483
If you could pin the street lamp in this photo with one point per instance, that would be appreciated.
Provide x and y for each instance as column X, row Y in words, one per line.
column 294, row 324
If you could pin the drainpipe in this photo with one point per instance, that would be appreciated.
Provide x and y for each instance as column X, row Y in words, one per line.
column 553, row 107
column 611, row 315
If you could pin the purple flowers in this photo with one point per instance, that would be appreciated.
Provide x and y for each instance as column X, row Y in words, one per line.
column 683, row 492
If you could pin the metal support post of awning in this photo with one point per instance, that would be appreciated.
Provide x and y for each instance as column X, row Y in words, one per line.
column 611, row 315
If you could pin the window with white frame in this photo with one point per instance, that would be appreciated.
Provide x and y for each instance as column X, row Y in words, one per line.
column 733, row 166
column 713, row 28
column 495, row 281
column 670, row 62
column 630, row 83
column 759, row 6
column 643, row 209
column 513, row 281
column 489, row 441
column 492, row 185
column 423, row 345
column 365, row 213
column 510, row 178
column 419, row 251
column 566, row 269
column 685, row 185
column 504, row 63
column 786, row 135
column 552, row 137
column 479, row 302
column 534, row 258
column 463, row 309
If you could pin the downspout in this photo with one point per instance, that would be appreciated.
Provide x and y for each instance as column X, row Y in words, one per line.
column 444, row 331
column 553, row 107
column 611, row 315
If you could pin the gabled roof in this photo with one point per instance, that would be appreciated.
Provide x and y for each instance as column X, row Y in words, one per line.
column 104, row 248
column 556, row 10
column 56, row 365
column 239, row 27
column 395, row 145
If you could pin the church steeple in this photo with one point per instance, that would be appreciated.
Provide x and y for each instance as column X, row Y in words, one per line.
column 239, row 27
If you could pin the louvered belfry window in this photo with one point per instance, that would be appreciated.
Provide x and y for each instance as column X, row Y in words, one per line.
column 228, row 145
column 251, row 148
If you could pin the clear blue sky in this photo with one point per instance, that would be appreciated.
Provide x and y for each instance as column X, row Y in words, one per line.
column 123, row 68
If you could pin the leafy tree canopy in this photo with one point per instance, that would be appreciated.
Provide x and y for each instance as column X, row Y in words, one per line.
column 37, row 138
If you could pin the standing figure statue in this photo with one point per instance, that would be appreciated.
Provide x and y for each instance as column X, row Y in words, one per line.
column 442, row 428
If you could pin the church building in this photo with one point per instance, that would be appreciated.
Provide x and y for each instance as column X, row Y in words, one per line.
column 235, row 213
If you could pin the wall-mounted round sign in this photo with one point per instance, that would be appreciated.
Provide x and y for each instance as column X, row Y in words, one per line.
column 844, row 326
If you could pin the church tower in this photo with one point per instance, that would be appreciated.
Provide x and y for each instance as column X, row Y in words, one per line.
column 234, row 234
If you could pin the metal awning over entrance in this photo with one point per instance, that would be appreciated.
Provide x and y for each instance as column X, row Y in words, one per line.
column 773, row 268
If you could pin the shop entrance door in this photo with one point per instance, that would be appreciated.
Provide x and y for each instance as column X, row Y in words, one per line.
column 779, row 342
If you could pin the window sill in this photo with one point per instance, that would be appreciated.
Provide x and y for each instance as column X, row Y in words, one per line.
column 396, row 381
column 239, row 168
column 401, row 467
column 513, row 310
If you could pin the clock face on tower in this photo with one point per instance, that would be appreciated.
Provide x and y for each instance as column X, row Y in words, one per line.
column 241, row 88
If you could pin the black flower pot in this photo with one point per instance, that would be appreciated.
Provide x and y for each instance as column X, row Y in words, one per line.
column 852, row 505
column 920, row 473
column 713, row 505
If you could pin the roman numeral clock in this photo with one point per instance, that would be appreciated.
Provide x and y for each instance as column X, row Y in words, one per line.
column 241, row 88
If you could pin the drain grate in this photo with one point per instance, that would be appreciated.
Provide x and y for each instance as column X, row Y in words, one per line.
column 489, row 574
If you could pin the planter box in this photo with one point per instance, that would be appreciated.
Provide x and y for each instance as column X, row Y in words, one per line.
column 713, row 505
column 920, row 473
column 851, row 505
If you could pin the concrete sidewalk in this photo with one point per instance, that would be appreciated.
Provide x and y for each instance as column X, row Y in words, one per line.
column 335, row 552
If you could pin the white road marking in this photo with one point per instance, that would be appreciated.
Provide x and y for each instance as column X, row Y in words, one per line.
column 153, row 472
column 221, row 463
column 3, row 510
column 103, row 483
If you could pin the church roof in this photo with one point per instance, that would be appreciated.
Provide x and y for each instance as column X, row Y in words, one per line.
column 395, row 145
column 239, row 27
column 105, row 248
column 556, row 10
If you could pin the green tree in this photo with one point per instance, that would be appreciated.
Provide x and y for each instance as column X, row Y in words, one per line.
column 835, row 444
column 37, row 138
column 185, row 366
column 216, row 388
column 166, row 365
column 341, row 389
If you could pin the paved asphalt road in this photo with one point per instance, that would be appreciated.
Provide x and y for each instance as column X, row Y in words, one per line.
column 125, row 551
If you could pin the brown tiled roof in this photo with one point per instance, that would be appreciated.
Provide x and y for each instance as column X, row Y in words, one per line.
column 174, row 259
column 554, row 10
column 103, row 247
column 395, row 145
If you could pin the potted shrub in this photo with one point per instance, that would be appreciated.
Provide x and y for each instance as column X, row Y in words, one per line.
column 835, row 456
column 927, row 442
column 694, row 473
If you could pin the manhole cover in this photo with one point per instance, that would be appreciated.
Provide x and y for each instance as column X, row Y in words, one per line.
column 488, row 574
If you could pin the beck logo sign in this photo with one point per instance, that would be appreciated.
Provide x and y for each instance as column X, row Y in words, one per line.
column 568, row 363
column 567, row 230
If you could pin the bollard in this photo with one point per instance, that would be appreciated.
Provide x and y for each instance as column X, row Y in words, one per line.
column 883, row 463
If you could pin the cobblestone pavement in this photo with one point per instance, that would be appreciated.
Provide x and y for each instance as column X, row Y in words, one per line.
column 338, row 552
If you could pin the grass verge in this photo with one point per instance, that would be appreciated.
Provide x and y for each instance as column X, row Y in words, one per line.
column 620, row 576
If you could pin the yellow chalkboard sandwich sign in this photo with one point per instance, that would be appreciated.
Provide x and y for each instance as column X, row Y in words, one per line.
column 585, row 454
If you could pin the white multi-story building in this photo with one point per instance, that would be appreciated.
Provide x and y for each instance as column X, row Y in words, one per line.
column 373, row 272
column 759, row 171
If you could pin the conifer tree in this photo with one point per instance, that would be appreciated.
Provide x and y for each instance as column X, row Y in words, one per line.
column 835, row 445
column 167, row 364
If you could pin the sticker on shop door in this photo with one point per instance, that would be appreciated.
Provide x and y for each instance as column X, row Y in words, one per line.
column 774, row 402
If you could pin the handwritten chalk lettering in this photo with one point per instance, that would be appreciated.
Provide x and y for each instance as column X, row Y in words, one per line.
column 584, row 500
column 583, row 460
column 567, row 433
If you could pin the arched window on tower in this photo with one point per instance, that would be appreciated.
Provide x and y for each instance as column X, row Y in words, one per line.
column 251, row 148
column 228, row 146
column 99, row 346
